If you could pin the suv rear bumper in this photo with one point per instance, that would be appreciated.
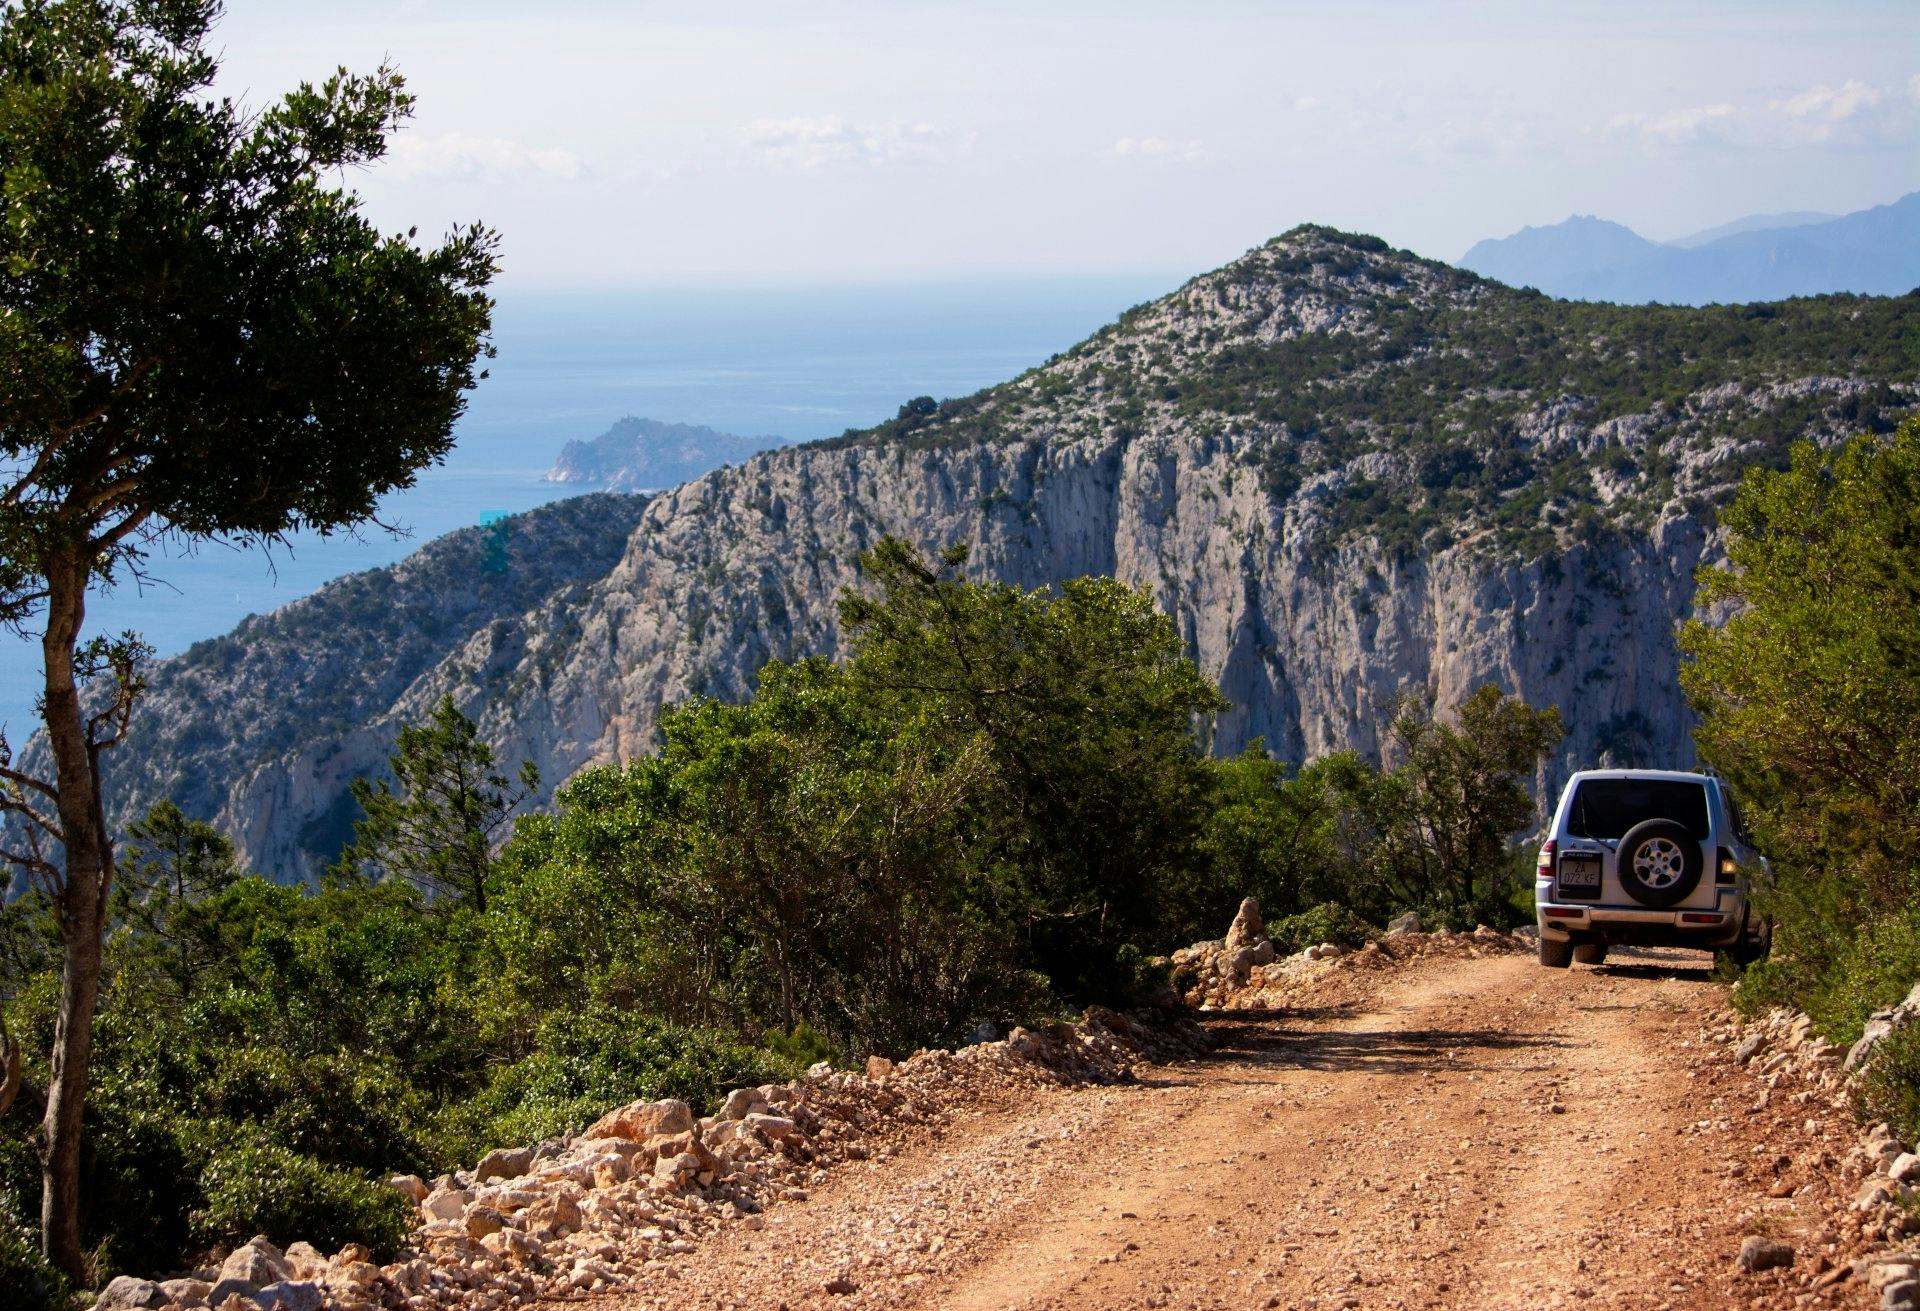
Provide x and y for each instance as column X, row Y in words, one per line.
column 1639, row 926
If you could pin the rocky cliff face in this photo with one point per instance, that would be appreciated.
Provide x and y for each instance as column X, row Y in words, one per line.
column 260, row 730
column 1343, row 471
column 1310, row 644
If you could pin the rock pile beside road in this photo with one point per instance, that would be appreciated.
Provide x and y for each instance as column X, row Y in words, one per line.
column 649, row 1181
column 1244, row 971
column 1870, row 1178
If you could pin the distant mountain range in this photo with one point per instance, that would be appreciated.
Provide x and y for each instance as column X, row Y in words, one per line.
column 645, row 455
column 1763, row 257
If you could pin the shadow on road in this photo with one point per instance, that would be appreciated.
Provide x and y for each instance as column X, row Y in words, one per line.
column 1279, row 1038
column 1656, row 971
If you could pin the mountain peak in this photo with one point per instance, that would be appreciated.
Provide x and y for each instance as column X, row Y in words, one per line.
column 1762, row 257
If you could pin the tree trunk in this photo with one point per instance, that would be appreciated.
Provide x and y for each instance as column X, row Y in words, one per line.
column 82, row 906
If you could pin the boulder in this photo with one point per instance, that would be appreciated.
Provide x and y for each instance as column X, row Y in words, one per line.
column 1882, row 1273
column 676, row 1170
column 1905, row 1169
column 1247, row 928
column 362, row 1277
column 643, row 1120
column 555, row 1215
column 306, row 1260
column 1401, row 925
column 776, row 1127
column 878, row 1067
column 1234, row 966
column 1758, row 1253
column 483, row 1220
column 186, row 1292
column 410, row 1184
column 740, row 1102
column 446, row 1203
column 255, row 1263
column 689, row 1143
column 819, row 1070
column 126, row 1293
column 291, row 1295
column 504, row 1163
column 1875, row 1193
column 611, row 1170
column 572, row 1172
column 1879, row 1025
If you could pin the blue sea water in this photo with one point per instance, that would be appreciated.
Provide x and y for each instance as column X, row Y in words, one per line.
column 793, row 363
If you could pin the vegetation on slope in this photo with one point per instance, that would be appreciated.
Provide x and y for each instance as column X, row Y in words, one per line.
column 1417, row 404
column 1809, row 697
column 998, row 809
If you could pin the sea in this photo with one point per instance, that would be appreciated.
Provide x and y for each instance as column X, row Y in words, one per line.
column 793, row 363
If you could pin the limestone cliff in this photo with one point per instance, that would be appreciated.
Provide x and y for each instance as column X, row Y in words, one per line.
column 262, row 729
column 1344, row 471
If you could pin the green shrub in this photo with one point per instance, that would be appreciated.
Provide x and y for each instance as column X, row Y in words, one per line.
column 143, row 1170
column 1890, row 1089
column 802, row 1047
column 586, row 1064
column 31, row 1284
column 262, row 1188
column 1839, row 972
column 1327, row 922
column 348, row 1110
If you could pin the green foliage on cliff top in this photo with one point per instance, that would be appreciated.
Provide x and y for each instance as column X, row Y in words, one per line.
column 1540, row 419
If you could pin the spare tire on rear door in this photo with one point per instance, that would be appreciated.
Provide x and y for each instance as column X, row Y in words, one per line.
column 1659, row 863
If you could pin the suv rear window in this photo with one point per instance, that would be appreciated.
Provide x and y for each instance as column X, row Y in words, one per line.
column 1608, row 807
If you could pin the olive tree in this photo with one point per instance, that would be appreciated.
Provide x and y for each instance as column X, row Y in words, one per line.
column 201, row 336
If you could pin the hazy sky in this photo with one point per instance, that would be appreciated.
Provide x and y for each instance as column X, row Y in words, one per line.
column 669, row 143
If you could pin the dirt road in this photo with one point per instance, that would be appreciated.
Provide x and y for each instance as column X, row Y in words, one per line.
column 1463, row 1133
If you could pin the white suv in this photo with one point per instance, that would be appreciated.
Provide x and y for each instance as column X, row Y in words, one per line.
column 1646, row 857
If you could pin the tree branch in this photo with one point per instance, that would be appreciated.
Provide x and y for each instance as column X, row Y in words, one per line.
column 9, row 1067
column 20, row 806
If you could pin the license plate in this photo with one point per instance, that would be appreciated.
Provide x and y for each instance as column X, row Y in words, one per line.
column 1579, row 872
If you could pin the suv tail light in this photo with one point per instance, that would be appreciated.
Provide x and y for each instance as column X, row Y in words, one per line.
column 1726, row 869
column 1545, row 867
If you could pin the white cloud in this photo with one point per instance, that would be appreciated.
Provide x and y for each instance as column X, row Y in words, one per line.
column 1170, row 149
column 1306, row 104
column 1823, row 104
column 455, row 154
column 1675, row 127
column 1854, row 113
column 811, row 143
